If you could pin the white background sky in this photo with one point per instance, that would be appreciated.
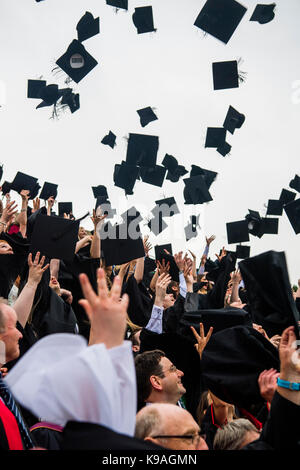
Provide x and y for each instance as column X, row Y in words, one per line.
column 169, row 70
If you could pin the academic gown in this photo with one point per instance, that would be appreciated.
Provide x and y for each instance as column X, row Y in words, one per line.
column 11, row 266
column 140, row 302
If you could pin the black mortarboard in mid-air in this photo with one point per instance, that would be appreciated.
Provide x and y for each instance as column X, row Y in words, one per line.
column 76, row 62
column 170, row 163
column 87, row 26
column 224, row 149
column 71, row 99
column 54, row 237
column 196, row 191
column 35, row 87
column 269, row 292
column 209, row 175
column 23, row 181
column 237, row 232
column 175, row 171
column 48, row 190
column 255, row 224
column 143, row 19
column 295, row 183
column 157, row 224
column 146, row 115
column 159, row 250
column 118, row 3
column 100, row 191
column 225, row 75
column 270, row 225
column 154, row 176
column 215, row 137
column 292, row 210
column 275, row 207
column 50, row 94
column 160, row 254
column 6, row 187
column 220, row 18
column 125, row 176
column 166, row 206
column 234, row 120
column 286, row 196
column 65, row 208
column 122, row 246
column 263, row 13
column 242, row 251
column 109, row 139
column 34, row 192
column 142, row 150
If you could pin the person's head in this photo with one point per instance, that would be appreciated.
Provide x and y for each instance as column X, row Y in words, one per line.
column 5, row 248
column 81, row 233
column 235, row 435
column 158, row 380
column 134, row 337
column 9, row 334
column 173, row 288
column 169, row 426
column 169, row 300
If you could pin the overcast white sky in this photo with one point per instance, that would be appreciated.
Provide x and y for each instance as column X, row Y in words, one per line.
column 169, row 70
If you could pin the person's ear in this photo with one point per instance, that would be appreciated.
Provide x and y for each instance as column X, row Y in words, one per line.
column 155, row 382
column 135, row 348
column 151, row 439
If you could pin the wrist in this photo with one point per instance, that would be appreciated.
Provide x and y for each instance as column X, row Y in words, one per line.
column 31, row 284
column 291, row 376
column 158, row 302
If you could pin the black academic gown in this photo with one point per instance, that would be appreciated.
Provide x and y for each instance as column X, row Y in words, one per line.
column 11, row 266
column 140, row 302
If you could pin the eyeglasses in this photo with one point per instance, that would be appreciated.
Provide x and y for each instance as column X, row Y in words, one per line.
column 171, row 369
column 193, row 438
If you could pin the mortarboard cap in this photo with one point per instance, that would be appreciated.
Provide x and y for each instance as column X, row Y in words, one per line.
column 269, row 292
column 166, row 206
column 120, row 246
column 170, row 163
column 225, row 75
column 220, row 18
column 209, row 175
column 255, row 224
column 270, row 225
column 157, row 224
column 174, row 176
column 34, row 191
column 109, row 139
column 50, row 94
column 65, row 208
column 48, row 190
column 242, row 251
column 23, row 181
column 146, row 115
column 118, row 3
column 232, row 362
column 215, row 137
column 263, row 13
column 76, row 62
column 224, row 149
column 159, row 250
column 196, row 191
column 234, row 120
column 125, row 176
column 295, row 183
column 286, row 196
column 71, row 99
column 154, row 176
column 237, row 232
column 100, row 191
column 275, row 207
column 292, row 210
column 142, row 150
column 143, row 19
column 54, row 237
column 87, row 26
column 35, row 87
column 6, row 187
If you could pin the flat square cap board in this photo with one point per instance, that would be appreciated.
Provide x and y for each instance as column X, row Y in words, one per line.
column 87, row 26
column 292, row 210
column 237, row 232
column 76, row 62
column 143, row 19
column 142, row 150
column 220, row 18
column 225, row 75
column 48, row 190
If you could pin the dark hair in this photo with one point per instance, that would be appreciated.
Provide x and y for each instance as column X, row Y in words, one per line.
column 132, row 337
column 147, row 364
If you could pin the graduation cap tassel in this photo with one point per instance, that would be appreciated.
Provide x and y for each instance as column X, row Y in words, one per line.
column 242, row 74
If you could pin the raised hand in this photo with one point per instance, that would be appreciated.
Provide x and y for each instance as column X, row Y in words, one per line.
column 97, row 217
column 236, row 277
column 147, row 245
column 201, row 339
column 180, row 261
column 210, row 239
column 8, row 212
column 163, row 267
column 36, row 269
column 25, row 195
column 223, row 253
column 36, row 205
column 267, row 382
column 161, row 288
column 106, row 311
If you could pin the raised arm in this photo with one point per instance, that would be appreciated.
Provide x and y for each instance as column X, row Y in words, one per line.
column 9, row 210
column 22, row 217
column 95, row 250
column 139, row 270
column 23, row 304
column 205, row 253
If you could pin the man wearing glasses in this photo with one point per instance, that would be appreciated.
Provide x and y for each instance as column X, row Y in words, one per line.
column 169, row 426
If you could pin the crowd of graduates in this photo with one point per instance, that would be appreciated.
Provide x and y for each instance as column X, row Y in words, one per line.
column 155, row 353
